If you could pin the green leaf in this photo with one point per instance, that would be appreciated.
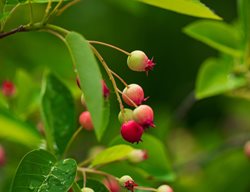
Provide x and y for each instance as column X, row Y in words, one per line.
column 157, row 164
column 244, row 15
column 90, row 78
column 93, row 184
column 58, row 112
column 40, row 171
column 112, row 154
column 17, row 131
column 188, row 7
column 218, row 35
column 215, row 77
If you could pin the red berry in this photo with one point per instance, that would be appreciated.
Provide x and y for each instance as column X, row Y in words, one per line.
column 137, row 155
column 133, row 92
column 2, row 156
column 164, row 188
column 85, row 121
column 138, row 61
column 105, row 89
column 131, row 131
column 112, row 185
column 127, row 182
column 126, row 116
column 144, row 115
column 8, row 88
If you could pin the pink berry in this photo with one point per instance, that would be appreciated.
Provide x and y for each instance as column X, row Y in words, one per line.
column 137, row 155
column 112, row 185
column 247, row 149
column 144, row 115
column 138, row 61
column 8, row 88
column 105, row 89
column 127, row 182
column 164, row 188
column 133, row 92
column 85, row 121
column 131, row 131
column 127, row 115
column 2, row 156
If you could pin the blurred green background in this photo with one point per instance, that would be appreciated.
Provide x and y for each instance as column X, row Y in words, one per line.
column 204, row 139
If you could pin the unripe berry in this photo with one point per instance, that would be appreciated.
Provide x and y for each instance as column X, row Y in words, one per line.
column 127, row 115
column 85, row 121
column 165, row 188
column 112, row 185
column 247, row 149
column 127, row 182
column 2, row 156
column 144, row 115
column 137, row 155
column 131, row 131
column 8, row 88
column 133, row 92
column 138, row 61
column 86, row 189
column 105, row 90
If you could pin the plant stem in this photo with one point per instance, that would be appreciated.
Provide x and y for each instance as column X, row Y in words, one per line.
column 109, row 45
column 46, row 15
column 60, row 11
column 127, row 98
column 145, row 188
column 85, row 162
column 121, row 79
column 88, row 170
column 31, row 13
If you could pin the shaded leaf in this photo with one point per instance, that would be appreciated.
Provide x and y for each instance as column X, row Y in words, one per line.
column 218, row 35
column 244, row 15
column 40, row 171
column 90, row 78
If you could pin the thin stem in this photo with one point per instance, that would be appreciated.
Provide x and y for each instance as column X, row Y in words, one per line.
column 58, row 29
column 31, row 13
column 21, row 28
column 9, row 15
column 60, row 11
column 46, row 15
column 98, row 55
column 56, row 8
column 71, row 141
column 85, row 162
column 145, row 188
column 84, row 178
column 121, row 79
column 88, row 170
column 109, row 45
column 133, row 103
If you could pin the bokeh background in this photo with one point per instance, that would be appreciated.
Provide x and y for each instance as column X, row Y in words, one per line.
column 204, row 139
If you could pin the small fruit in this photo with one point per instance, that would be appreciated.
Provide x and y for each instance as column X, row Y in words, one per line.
column 86, row 189
column 2, row 156
column 247, row 149
column 138, row 61
column 137, row 155
column 164, row 188
column 126, row 116
column 131, row 131
column 105, row 90
column 85, row 121
column 127, row 182
column 133, row 92
column 144, row 115
column 112, row 185
column 8, row 88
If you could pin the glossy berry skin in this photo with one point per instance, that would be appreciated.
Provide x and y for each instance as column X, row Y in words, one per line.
column 137, row 156
column 8, row 88
column 138, row 61
column 127, row 182
column 133, row 92
column 2, row 156
column 85, row 121
column 105, row 90
column 131, row 131
column 164, row 188
column 127, row 116
column 144, row 115
column 112, row 185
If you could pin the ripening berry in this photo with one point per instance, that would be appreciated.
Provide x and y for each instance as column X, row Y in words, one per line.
column 164, row 188
column 144, row 115
column 86, row 189
column 112, row 185
column 247, row 149
column 137, row 156
column 126, row 116
column 138, row 61
column 85, row 121
column 127, row 182
column 133, row 92
column 8, row 88
column 105, row 90
column 2, row 156
column 131, row 131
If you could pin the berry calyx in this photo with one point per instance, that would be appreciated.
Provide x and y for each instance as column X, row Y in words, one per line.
column 8, row 88
column 133, row 93
column 131, row 131
column 86, row 189
column 112, row 185
column 144, row 115
column 105, row 90
column 2, row 156
column 86, row 121
column 126, row 115
column 165, row 188
column 137, row 155
column 127, row 182
column 138, row 61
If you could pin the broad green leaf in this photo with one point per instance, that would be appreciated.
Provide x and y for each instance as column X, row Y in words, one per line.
column 93, row 184
column 215, row 77
column 90, row 78
column 158, row 164
column 75, row 187
column 218, row 35
column 58, row 112
column 188, row 7
column 244, row 15
column 17, row 131
column 112, row 154
column 39, row 171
